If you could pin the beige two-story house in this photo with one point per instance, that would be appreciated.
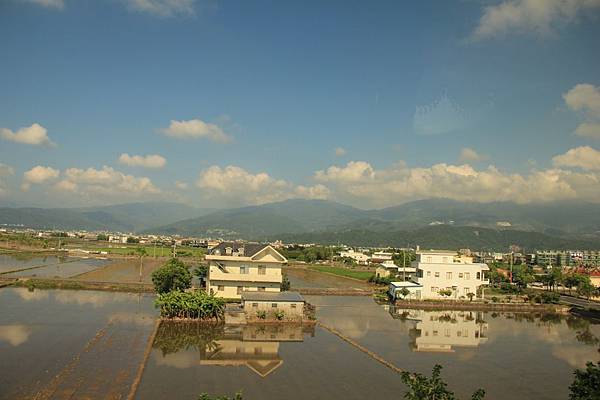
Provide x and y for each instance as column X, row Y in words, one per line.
column 235, row 267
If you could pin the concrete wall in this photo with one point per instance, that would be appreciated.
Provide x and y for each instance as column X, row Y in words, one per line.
column 291, row 309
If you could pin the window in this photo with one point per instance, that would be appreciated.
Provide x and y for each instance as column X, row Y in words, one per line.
column 479, row 275
column 220, row 288
column 273, row 305
column 448, row 275
column 262, row 270
column 467, row 275
column 467, row 290
column 460, row 275
column 293, row 305
column 240, row 289
column 445, row 260
column 258, row 350
column 428, row 259
column 437, row 274
column 434, row 333
column 243, row 269
column 254, row 305
column 434, row 289
column 261, row 288
column 428, row 273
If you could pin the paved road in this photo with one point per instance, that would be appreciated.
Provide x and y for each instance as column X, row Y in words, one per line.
column 574, row 301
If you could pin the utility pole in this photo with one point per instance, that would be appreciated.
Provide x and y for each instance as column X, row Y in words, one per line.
column 141, row 257
column 511, row 266
column 404, row 264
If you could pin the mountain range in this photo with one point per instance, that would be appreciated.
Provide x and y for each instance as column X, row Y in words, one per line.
column 439, row 222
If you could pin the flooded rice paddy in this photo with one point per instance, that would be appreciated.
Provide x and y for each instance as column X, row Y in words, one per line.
column 86, row 344
column 47, row 266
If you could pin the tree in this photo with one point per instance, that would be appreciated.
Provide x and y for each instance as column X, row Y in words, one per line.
column 102, row 237
column 405, row 292
column 141, row 252
column 586, row 385
column 445, row 292
column 570, row 281
column 421, row 387
column 285, row 283
column 174, row 275
column 131, row 239
column 201, row 271
column 523, row 277
column 470, row 296
column 586, row 289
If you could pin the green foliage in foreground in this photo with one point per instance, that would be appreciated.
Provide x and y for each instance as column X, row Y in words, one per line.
column 586, row 385
column 174, row 275
column 434, row 388
column 196, row 305
column 349, row 273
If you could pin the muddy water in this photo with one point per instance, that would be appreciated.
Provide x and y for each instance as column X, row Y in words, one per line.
column 511, row 356
column 71, row 344
column 21, row 261
column 125, row 270
column 67, row 268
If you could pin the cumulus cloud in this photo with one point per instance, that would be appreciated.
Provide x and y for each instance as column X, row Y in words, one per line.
column 469, row 155
column 359, row 183
column 235, row 184
column 585, row 98
column 38, row 175
column 537, row 16
column 107, row 181
column 583, row 157
column 34, row 135
column 339, row 151
column 58, row 4
column 149, row 161
column 163, row 8
column 195, row 129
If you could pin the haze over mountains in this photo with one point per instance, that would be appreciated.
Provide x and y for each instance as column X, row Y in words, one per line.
column 432, row 223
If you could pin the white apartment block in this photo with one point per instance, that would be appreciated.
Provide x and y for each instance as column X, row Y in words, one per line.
column 237, row 267
column 357, row 256
column 446, row 270
column 439, row 271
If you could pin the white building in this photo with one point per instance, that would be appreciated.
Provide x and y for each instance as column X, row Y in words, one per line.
column 357, row 256
column 238, row 267
column 381, row 257
column 446, row 275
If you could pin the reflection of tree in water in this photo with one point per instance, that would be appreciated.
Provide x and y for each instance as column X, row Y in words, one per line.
column 172, row 337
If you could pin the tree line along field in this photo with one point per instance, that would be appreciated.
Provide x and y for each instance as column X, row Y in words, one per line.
column 150, row 250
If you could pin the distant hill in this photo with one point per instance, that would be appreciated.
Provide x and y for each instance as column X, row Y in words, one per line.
column 130, row 217
column 442, row 237
column 306, row 216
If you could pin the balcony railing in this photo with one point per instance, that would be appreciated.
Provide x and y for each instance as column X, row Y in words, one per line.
column 218, row 274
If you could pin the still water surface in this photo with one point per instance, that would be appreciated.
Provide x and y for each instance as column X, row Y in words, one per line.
column 48, row 266
column 92, row 344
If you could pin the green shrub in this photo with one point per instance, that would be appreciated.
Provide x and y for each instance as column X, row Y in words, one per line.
column 174, row 275
column 261, row 314
column 494, row 299
column 197, row 304
column 279, row 315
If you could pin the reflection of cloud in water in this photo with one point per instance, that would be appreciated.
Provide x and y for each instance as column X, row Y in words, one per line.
column 182, row 359
column 132, row 318
column 575, row 356
column 14, row 334
column 34, row 295
column 81, row 298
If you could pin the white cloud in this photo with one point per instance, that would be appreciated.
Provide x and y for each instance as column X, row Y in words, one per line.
column 107, row 182
column 149, row 161
column 589, row 130
column 585, row 98
column 66, row 186
column 583, row 157
column 181, row 185
column 339, row 151
column 318, row 191
column 163, row 8
column 41, row 174
column 235, row 184
column 59, row 4
column 359, row 183
column 469, row 155
column 194, row 129
column 35, row 135
column 537, row 16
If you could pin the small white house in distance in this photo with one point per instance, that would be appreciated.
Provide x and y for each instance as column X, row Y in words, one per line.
column 357, row 256
column 396, row 289
column 389, row 269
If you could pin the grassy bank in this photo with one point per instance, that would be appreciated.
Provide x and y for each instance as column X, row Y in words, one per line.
column 159, row 251
column 34, row 283
column 345, row 272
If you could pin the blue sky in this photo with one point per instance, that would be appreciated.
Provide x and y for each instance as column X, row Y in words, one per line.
column 468, row 100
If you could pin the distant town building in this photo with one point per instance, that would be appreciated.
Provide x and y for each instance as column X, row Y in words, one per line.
column 380, row 257
column 357, row 256
column 236, row 267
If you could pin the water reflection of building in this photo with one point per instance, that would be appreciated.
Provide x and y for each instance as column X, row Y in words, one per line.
column 255, row 346
column 443, row 330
